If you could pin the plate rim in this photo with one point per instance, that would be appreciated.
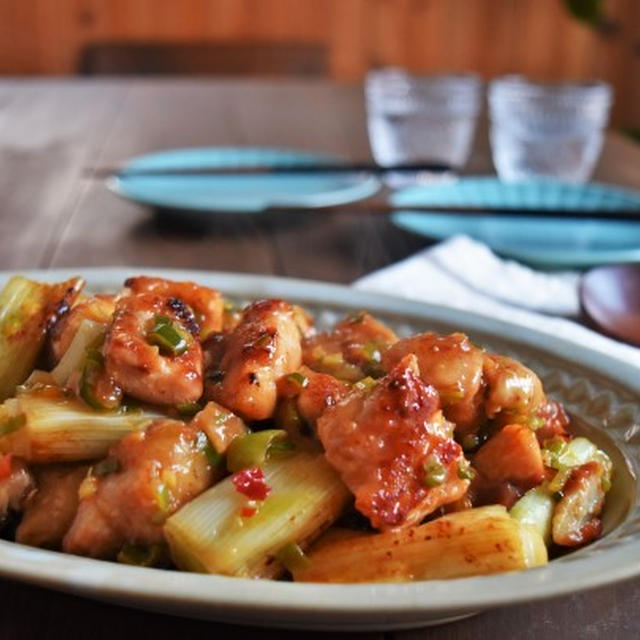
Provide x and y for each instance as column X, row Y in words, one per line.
column 546, row 257
column 305, row 604
column 367, row 188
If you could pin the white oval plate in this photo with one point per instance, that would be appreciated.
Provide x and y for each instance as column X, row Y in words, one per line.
column 602, row 393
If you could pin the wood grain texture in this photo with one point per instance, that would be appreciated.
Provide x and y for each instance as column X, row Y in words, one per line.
column 50, row 216
column 491, row 37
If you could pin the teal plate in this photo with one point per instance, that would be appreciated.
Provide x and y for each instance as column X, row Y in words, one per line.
column 239, row 194
column 543, row 242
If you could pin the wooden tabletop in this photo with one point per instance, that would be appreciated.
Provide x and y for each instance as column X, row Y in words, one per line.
column 51, row 216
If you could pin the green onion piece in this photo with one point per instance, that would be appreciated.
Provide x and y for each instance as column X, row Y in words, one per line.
column 535, row 423
column 372, row 352
column 292, row 557
column 93, row 369
column 229, row 306
column 356, row 317
column 280, row 446
column 434, row 474
column 213, row 457
column 167, row 335
column 366, row 384
column 298, row 380
column 560, row 479
column 163, row 500
column 465, row 472
column 253, row 449
column 263, row 341
column 142, row 556
column 188, row 409
column 106, row 467
column 333, row 359
column 552, row 451
column 12, row 423
column 470, row 442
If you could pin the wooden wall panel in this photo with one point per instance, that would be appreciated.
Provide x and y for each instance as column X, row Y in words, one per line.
column 489, row 36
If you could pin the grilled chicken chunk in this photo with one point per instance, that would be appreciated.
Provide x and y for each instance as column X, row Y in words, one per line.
column 147, row 476
column 352, row 350
column 262, row 348
column 394, row 449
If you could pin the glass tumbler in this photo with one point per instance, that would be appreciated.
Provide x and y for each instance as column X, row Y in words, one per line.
column 547, row 130
column 421, row 119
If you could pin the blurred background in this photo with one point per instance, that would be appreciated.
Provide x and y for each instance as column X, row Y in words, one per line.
column 337, row 39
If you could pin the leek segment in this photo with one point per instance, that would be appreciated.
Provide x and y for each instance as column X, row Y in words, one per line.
column 49, row 425
column 25, row 308
column 478, row 541
column 211, row 535
column 88, row 336
column 535, row 508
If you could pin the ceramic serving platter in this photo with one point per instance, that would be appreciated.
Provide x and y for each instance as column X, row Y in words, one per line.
column 601, row 393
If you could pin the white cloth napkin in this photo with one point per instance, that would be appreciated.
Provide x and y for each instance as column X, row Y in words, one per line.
column 465, row 274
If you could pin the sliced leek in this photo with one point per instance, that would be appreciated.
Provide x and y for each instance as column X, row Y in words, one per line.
column 474, row 542
column 25, row 309
column 535, row 508
column 88, row 336
column 218, row 533
column 49, row 425
column 564, row 456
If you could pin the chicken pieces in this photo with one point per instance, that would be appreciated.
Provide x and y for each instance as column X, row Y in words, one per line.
column 147, row 477
column 394, row 449
column 263, row 347
column 454, row 366
column 151, row 350
column 474, row 386
column 50, row 512
column 352, row 350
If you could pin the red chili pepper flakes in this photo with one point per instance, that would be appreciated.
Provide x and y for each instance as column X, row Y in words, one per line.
column 248, row 512
column 5, row 466
column 251, row 483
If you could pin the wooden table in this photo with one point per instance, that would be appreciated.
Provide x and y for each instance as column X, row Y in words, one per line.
column 50, row 216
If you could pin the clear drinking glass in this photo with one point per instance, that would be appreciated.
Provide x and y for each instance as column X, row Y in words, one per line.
column 413, row 119
column 547, row 130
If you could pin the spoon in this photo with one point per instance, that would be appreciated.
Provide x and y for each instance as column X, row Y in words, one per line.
column 610, row 298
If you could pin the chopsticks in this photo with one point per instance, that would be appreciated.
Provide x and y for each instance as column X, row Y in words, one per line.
column 364, row 207
column 284, row 169
column 382, row 208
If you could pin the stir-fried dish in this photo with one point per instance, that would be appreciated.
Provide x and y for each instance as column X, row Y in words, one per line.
column 165, row 426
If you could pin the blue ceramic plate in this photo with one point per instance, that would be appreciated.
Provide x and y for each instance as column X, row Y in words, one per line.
column 551, row 243
column 239, row 194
